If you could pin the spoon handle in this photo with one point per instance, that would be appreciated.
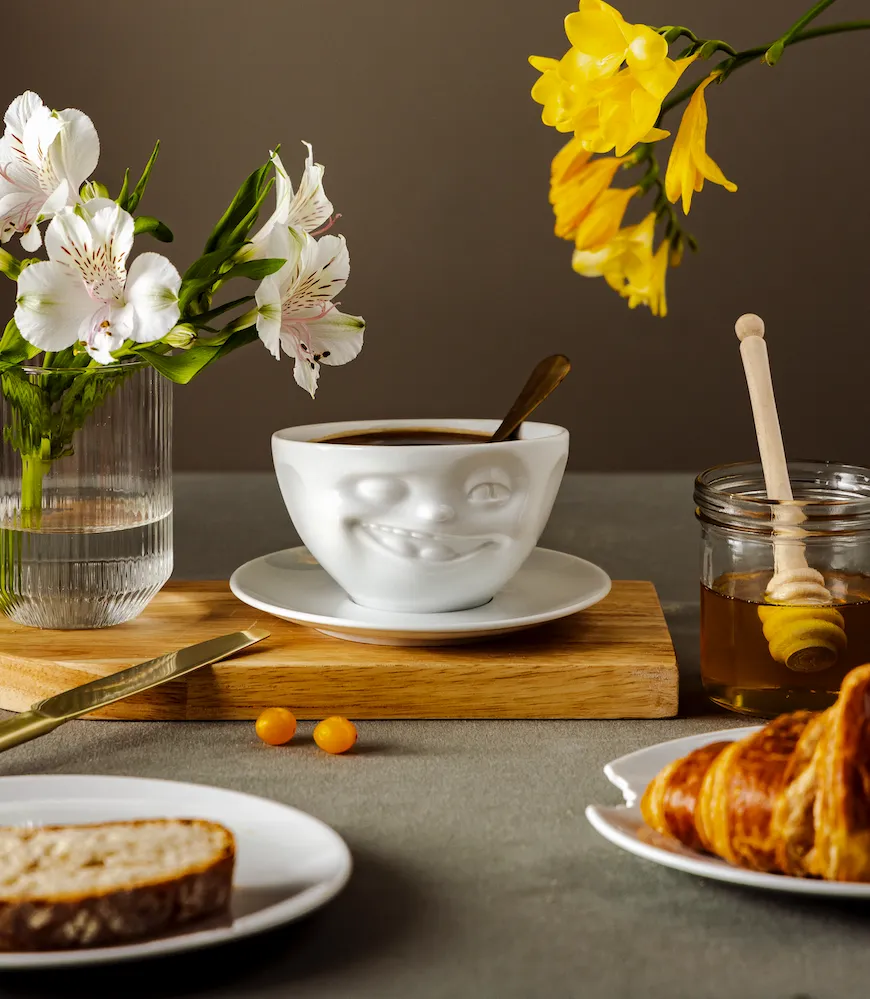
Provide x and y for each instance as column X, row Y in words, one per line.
column 546, row 376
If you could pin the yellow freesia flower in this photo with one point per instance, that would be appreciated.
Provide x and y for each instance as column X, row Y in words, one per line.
column 568, row 162
column 624, row 111
column 627, row 263
column 689, row 165
column 590, row 93
column 620, row 255
column 598, row 33
column 576, row 184
column 602, row 40
column 602, row 221
column 562, row 95
column 647, row 285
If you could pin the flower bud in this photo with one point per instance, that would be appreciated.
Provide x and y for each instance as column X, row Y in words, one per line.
column 675, row 255
column 93, row 189
column 9, row 265
column 181, row 336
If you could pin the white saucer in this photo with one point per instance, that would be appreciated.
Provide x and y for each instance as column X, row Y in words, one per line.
column 624, row 826
column 291, row 585
column 287, row 863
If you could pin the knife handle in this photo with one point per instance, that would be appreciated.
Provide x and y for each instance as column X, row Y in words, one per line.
column 25, row 726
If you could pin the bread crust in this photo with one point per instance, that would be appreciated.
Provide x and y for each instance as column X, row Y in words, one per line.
column 145, row 907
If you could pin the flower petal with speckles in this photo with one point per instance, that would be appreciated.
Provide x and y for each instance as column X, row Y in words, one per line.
column 96, row 247
column 303, row 212
column 310, row 207
column 305, row 371
column 335, row 338
column 45, row 157
column 85, row 292
column 320, row 274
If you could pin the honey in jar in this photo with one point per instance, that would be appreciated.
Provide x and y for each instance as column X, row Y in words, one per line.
column 763, row 658
column 737, row 666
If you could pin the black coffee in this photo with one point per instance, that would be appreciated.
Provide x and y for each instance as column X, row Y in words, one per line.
column 408, row 435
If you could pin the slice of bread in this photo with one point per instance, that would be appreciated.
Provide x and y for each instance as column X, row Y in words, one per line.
column 92, row 885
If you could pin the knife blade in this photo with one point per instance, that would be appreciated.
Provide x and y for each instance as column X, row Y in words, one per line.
column 48, row 714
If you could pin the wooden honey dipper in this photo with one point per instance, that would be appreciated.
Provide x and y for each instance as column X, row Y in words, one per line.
column 802, row 627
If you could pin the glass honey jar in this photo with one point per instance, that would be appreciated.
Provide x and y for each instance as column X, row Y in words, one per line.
column 771, row 644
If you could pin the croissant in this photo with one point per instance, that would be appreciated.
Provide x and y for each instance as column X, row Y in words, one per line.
column 793, row 798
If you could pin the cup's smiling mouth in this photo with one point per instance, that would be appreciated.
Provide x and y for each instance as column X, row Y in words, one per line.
column 422, row 544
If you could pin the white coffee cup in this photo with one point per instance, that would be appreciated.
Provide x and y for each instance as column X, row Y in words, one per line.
column 420, row 528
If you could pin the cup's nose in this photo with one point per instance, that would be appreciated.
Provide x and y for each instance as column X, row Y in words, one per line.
column 435, row 513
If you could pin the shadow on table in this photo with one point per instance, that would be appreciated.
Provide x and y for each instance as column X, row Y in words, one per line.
column 683, row 625
column 378, row 907
column 848, row 912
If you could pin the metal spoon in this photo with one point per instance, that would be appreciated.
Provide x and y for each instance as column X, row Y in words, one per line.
column 546, row 376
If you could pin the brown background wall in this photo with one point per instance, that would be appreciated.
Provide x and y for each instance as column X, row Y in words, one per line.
column 438, row 161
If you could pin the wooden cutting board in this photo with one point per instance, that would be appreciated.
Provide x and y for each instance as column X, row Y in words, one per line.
column 614, row 660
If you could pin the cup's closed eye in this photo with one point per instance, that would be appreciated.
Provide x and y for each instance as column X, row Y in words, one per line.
column 489, row 492
column 380, row 489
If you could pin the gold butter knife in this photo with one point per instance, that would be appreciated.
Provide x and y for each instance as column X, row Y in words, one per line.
column 47, row 715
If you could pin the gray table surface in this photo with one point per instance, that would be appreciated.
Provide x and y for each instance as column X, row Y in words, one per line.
column 476, row 873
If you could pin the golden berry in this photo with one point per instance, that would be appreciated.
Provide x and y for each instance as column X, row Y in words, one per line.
column 276, row 726
column 335, row 734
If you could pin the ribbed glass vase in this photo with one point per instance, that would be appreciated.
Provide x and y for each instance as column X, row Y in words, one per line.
column 85, row 493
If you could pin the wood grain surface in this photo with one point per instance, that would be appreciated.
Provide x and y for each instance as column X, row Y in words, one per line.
column 614, row 660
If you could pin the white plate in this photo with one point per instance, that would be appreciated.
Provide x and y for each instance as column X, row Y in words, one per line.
column 291, row 585
column 287, row 862
column 624, row 826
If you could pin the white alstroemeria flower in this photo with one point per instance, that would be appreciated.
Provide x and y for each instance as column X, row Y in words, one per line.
column 295, row 309
column 45, row 157
column 84, row 292
column 306, row 210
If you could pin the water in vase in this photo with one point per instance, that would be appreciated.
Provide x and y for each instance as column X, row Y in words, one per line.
column 112, row 553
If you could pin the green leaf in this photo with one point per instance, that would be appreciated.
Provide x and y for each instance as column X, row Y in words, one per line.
column 147, row 223
column 209, row 263
column 85, row 393
column 135, row 197
column 181, row 368
column 191, row 290
column 238, row 209
column 30, row 417
column 71, row 357
column 255, row 269
column 14, row 348
column 125, row 187
column 243, row 229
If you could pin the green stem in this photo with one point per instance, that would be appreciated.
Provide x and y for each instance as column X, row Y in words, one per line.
column 34, row 468
column 206, row 317
column 10, row 567
column 728, row 66
column 774, row 53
